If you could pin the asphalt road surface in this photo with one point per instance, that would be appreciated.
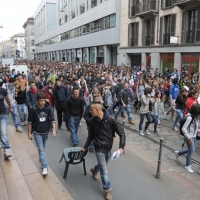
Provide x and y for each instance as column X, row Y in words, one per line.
column 131, row 177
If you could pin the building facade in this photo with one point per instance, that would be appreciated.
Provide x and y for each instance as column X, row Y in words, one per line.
column 17, row 46
column 5, row 49
column 29, row 30
column 79, row 30
column 160, row 34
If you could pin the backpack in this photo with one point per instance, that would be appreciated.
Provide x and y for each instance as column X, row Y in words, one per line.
column 182, row 122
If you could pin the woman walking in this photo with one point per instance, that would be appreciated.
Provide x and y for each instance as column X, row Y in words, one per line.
column 144, row 111
column 190, row 130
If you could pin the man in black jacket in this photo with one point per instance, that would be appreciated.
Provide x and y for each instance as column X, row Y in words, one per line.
column 74, row 108
column 102, row 128
column 40, row 120
column 60, row 96
column 123, row 103
column 87, row 116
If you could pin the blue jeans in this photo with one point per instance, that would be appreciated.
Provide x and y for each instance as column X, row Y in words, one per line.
column 122, row 108
column 40, row 140
column 14, row 115
column 178, row 117
column 149, row 120
column 22, row 112
column 158, row 116
column 73, row 124
column 189, row 151
column 155, row 121
column 3, row 131
column 103, row 159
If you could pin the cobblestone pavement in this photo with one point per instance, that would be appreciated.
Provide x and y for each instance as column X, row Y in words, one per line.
column 172, row 139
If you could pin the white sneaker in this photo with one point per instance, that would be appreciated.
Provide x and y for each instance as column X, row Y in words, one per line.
column 7, row 153
column 147, row 132
column 25, row 122
column 141, row 133
column 175, row 128
column 22, row 123
column 44, row 171
column 176, row 154
column 18, row 129
column 80, row 124
column 189, row 169
column 173, row 119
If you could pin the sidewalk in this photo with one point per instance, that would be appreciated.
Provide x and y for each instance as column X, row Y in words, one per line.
column 172, row 138
column 20, row 176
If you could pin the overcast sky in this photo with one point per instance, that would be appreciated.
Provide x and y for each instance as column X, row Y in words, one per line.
column 13, row 14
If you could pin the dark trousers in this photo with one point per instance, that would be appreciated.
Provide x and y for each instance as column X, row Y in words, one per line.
column 60, row 107
column 117, row 104
column 149, row 120
column 155, row 121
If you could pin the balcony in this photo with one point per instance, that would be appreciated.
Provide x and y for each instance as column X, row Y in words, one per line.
column 190, row 36
column 166, row 38
column 147, row 8
column 182, row 3
column 133, row 41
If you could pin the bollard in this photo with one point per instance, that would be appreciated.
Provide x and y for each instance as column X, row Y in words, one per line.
column 159, row 158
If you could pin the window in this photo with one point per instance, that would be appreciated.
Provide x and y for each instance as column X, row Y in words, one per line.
column 101, row 51
column 65, row 18
column 101, row 24
column 77, row 32
column 107, row 22
column 32, row 31
column 94, row 26
column 148, row 32
column 73, row 14
column 112, row 21
column 82, row 8
column 166, row 3
column 132, row 8
column 60, row 21
column 92, row 55
column 32, row 42
column 133, row 34
column 93, row 3
column 191, row 26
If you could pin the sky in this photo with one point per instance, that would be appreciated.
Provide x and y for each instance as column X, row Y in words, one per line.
column 13, row 14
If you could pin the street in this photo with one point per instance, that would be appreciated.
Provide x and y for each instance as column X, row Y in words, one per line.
column 130, row 176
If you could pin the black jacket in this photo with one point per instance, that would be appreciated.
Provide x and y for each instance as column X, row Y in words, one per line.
column 74, row 107
column 123, row 96
column 60, row 94
column 87, row 115
column 180, row 103
column 21, row 97
column 103, row 133
column 41, row 119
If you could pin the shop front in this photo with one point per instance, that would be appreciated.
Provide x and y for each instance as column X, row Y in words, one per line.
column 100, row 54
column 136, row 60
column 167, row 61
column 190, row 63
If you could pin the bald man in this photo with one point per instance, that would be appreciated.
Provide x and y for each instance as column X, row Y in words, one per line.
column 102, row 128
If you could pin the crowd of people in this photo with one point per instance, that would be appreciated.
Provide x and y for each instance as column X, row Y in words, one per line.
column 97, row 92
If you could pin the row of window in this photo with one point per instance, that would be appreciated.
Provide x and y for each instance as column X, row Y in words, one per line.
column 190, row 29
column 98, row 25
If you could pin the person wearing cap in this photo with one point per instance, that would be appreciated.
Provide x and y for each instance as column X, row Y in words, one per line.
column 4, row 120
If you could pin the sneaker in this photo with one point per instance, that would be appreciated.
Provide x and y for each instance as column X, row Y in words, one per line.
column 22, row 123
column 7, row 153
column 189, row 169
column 175, row 128
column 141, row 133
column 173, row 119
column 108, row 194
column 75, row 145
column 147, row 132
column 94, row 174
column 25, row 123
column 176, row 154
column 80, row 124
column 18, row 129
column 59, row 127
column 123, row 116
column 44, row 171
